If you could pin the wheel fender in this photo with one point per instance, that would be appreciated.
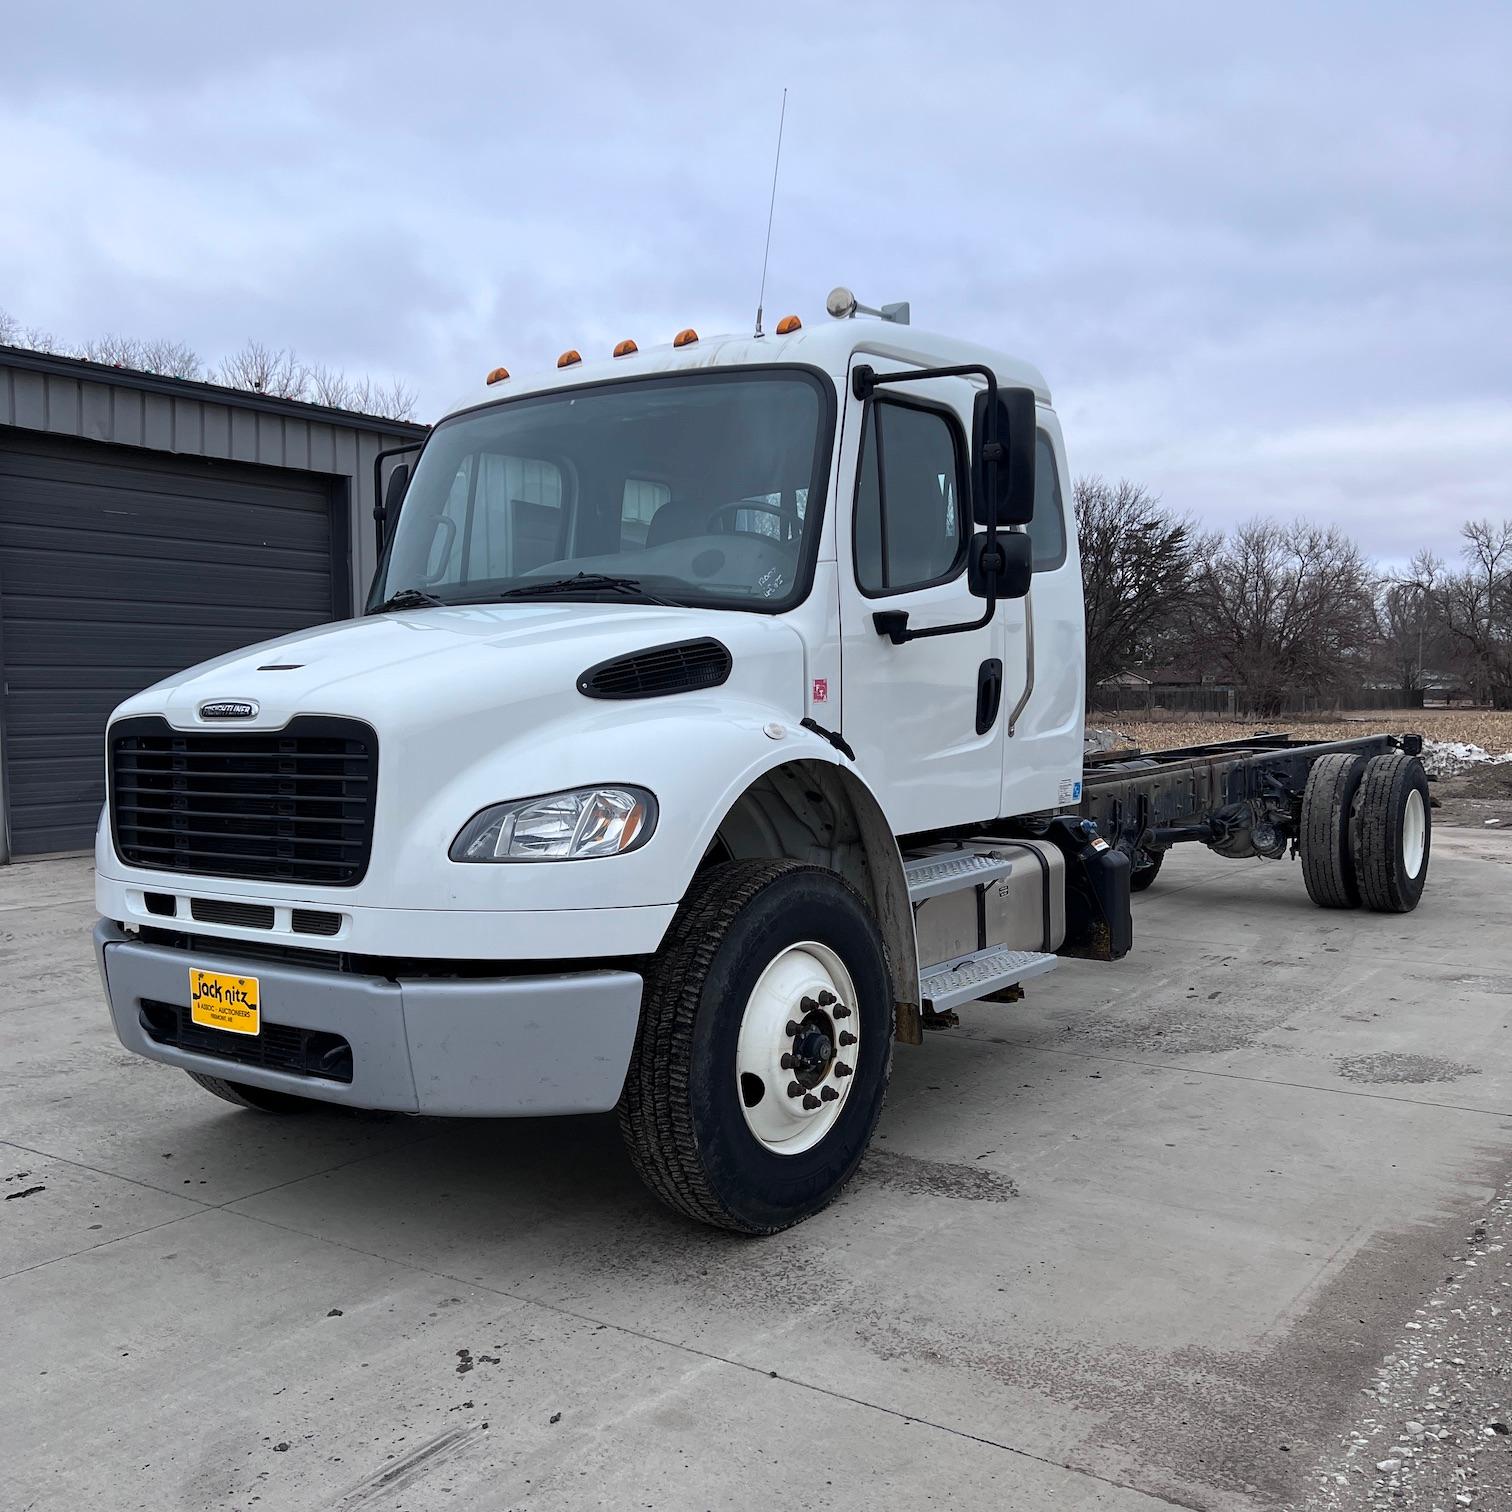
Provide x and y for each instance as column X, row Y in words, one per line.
column 863, row 850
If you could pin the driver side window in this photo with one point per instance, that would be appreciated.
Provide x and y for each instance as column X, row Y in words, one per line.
column 909, row 530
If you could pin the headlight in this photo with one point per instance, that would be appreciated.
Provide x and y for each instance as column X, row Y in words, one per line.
column 604, row 821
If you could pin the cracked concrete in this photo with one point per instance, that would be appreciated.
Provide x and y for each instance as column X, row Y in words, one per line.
column 1144, row 1240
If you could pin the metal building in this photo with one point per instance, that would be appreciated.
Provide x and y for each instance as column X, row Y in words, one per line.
column 146, row 524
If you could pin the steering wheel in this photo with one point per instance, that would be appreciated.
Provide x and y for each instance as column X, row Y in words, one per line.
column 762, row 504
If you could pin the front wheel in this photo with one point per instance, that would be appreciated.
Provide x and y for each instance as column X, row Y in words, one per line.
column 764, row 1047
column 244, row 1095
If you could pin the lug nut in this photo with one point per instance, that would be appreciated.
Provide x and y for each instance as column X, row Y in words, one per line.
column 808, row 1005
column 847, row 1038
column 841, row 1011
column 826, row 998
column 786, row 1062
column 829, row 1094
column 841, row 1069
column 794, row 1090
column 792, row 1028
column 811, row 1101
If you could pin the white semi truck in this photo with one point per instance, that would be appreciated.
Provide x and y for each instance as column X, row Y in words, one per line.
column 716, row 721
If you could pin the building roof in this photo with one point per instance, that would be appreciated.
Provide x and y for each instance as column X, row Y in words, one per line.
column 82, row 370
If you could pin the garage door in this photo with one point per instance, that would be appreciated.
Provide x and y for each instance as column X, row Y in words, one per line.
column 117, row 567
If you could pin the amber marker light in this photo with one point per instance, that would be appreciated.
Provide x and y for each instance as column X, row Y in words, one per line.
column 685, row 337
column 625, row 348
column 788, row 324
column 498, row 375
column 569, row 358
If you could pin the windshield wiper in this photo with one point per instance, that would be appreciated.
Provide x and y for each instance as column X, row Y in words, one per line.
column 586, row 582
column 409, row 598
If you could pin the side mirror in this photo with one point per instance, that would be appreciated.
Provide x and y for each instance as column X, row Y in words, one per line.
column 1002, row 466
column 393, row 495
column 1004, row 570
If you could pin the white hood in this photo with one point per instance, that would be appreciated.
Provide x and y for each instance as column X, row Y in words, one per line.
column 425, row 668
column 479, row 704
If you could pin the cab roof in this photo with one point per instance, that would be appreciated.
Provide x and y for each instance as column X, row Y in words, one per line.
column 828, row 345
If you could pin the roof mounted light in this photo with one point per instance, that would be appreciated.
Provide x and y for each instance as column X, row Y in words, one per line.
column 685, row 337
column 626, row 348
column 570, row 358
column 498, row 375
column 843, row 305
column 788, row 324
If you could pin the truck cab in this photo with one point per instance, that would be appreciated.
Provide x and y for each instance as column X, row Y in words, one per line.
column 676, row 766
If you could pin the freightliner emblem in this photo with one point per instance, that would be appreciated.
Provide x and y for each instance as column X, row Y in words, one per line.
column 228, row 708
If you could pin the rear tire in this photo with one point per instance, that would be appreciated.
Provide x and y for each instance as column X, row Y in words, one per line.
column 739, row 966
column 1392, row 832
column 245, row 1096
column 1328, row 865
column 1145, row 869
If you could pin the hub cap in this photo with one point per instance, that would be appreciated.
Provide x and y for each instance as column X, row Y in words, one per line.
column 1414, row 833
column 796, row 1055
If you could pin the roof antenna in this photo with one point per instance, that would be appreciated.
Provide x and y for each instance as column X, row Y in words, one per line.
column 771, row 209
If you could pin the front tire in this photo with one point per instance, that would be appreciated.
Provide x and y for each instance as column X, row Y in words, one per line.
column 1391, row 833
column 750, row 1099
column 245, row 1096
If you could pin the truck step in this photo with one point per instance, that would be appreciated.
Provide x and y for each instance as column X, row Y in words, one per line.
column 951, row 871
column 964, row 981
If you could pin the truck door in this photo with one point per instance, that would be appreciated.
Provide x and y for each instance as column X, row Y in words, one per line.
column 1042, row 756
column 925, row 718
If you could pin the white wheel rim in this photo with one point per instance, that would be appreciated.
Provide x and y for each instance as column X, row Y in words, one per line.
column 808, row 988
column 1414, row 833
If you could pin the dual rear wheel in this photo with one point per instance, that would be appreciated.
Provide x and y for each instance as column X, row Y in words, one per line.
column 1366, row 831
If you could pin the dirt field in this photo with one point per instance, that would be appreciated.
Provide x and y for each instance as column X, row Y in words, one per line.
column 1491, row 730
column 1480, row 797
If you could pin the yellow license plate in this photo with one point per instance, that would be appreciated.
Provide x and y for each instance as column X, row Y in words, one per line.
column 220, row 1001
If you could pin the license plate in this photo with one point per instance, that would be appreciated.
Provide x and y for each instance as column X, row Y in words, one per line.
column 218, row 1000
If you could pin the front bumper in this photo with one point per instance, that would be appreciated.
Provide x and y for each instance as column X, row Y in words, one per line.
column 465, row 1047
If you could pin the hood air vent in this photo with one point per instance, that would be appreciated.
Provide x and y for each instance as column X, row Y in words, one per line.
column 683, row 667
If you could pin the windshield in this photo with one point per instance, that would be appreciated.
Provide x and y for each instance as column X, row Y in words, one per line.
column 696, row 488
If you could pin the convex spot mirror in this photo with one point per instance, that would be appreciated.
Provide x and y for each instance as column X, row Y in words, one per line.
column 1003, row 569
column 1002, row 470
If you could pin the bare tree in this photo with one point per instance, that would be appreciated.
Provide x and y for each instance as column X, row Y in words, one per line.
column 1286, row 608
column 172, row 359
column 265, row 370
column 329, row 387
column 1138, row 563
column 1407, row 629
column 394, row 400
column 262, row 369
column 1475, row 608
column 31, row 338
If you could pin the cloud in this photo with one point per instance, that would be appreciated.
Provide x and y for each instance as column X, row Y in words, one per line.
column 1252, row 253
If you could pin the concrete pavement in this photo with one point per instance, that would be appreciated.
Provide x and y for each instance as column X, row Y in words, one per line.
column 1143, row 1240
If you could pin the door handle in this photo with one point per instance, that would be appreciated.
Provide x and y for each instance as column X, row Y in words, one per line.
column 989, row 694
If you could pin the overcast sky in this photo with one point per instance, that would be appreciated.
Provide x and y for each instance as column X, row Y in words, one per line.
column 1263, row 254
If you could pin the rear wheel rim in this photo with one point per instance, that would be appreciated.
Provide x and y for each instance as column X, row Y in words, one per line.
column 797, row 1052
column 1414, row 833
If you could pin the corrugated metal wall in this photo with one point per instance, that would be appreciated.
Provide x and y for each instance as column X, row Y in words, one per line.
column 146, row 524
column 68, row 398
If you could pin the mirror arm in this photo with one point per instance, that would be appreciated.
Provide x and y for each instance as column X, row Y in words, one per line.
column 865, row 380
